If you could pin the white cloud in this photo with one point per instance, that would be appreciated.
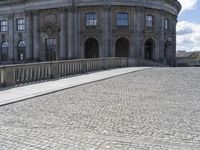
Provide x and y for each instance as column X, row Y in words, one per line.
column 188, row 4
column 188, row 36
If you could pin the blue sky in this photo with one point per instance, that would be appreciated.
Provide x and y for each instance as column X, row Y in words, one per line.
column 191, row 15
column 188, row 26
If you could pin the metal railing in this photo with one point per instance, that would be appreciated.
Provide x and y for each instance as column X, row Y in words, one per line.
column 11, row 75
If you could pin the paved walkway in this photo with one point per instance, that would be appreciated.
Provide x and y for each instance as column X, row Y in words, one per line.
column 153, row 109
column 16, row 94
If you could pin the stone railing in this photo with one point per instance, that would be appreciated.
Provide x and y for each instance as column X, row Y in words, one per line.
column 188, row 63
column 11, row 75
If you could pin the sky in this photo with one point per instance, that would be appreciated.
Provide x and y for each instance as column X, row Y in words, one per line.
column 188, row 26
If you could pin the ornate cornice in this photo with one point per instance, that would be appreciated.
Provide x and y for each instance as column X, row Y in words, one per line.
column 172, row 6
column 12, row 2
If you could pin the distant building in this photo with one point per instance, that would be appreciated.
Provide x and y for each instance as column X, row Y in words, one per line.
column 48, row 30
column 184, row 58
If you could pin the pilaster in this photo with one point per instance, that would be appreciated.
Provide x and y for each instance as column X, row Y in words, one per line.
column 70, row 32
column 36, row 37
column 29, row 36
column 11, row 51
column 139, row 32
column 161, row 35
column 106, row 31
column 63, row 34
column 77, row 33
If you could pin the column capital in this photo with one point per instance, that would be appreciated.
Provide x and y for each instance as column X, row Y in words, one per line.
column 139, row 9
column 62, row 9
column 35, row 12
column 163, row 12
column 28, row 12
column 106, row 7
column 10, row 16
column 70, row 8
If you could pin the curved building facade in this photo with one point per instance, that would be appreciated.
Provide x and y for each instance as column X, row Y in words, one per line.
column 48, row 30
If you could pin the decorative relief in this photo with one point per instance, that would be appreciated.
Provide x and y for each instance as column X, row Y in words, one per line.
column 50, row 18
column 3, row 37
column 20, row 36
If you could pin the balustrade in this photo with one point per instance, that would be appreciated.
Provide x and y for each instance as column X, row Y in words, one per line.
column 29, row 73
column 1, row 76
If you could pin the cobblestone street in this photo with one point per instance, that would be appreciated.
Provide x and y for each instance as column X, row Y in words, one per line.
column 155, row 109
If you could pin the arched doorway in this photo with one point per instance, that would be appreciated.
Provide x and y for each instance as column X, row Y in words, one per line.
column 91, row 48
column 21, row 48
column 149, row 49
column 122, row 48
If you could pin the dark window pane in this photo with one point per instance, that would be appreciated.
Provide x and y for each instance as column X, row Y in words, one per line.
column 122, row 19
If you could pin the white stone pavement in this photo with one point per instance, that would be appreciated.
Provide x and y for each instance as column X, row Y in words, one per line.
column 15, row 94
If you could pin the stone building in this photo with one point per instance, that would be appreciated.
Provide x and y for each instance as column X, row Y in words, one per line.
column 48, row 30
column 188, row 59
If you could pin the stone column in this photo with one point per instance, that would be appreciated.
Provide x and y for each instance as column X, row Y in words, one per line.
column 70, row 29
column 138, row 34
column 29, row 36
column 111, row 35
column 157, row 40
column 77, row 47
column 12, row 50
column 36, row 36
column 162, row 35
column 63, row 35
column 174, row 41
column 132, row 50
column 106, row 31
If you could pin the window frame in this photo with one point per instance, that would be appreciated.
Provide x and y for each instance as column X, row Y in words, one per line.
column 4, row 26
column 21, row 49
column 91, row 19
column 20, row 26
column 122, row 21
column 51, row 44
column 166, row 24
column 149, row 23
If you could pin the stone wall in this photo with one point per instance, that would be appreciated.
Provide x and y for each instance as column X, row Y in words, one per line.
column 65, row 21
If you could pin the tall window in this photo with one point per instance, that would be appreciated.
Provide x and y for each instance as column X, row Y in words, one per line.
column 4, row 26
column 51, row 49
column 149, row 21
column 166, row 24
column 4, row 51
column 20, row 24
column 21, row 50
column 91, row 19
column 122, row 19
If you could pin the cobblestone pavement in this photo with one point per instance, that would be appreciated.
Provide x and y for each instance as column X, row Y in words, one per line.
column 156, row 109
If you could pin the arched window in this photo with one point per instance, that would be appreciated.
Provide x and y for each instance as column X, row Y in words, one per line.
column 4, row 51
column 21, row 47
